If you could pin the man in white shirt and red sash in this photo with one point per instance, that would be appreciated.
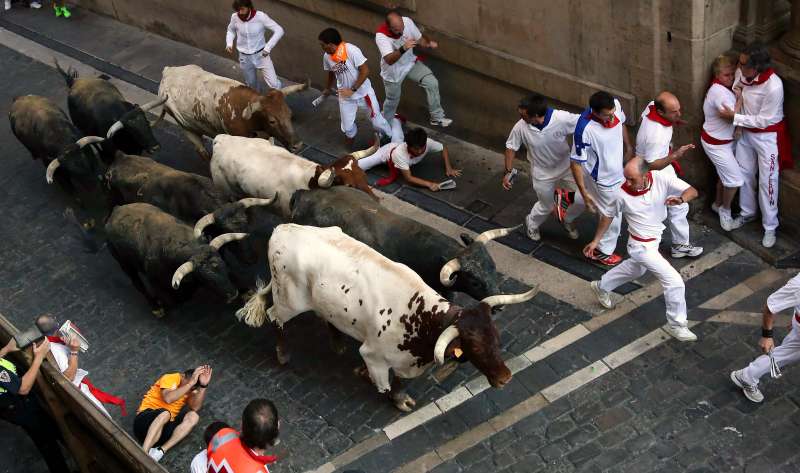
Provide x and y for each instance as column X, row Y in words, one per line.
column 396, row 39
column 654, row 145
column 764, row 147
column 544, row 133
column 248, row 26
column 717, row 139
column 643, row 201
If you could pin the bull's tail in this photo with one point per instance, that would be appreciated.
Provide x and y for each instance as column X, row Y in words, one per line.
column 254, row 312
column 69, row 75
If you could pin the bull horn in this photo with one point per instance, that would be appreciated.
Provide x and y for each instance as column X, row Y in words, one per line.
column 254, row 201
column 508, row 299
column 88, row 140
column 201, row 224
column 51, row 170
column 181, row 273
column 490, row 235
column 449, row 334
column 446, row 274
column 155, row 122
column 291, row 89
column 221, row 240
column 325, row 179
column 154, row 103
column 366, row 152
column 117, row 126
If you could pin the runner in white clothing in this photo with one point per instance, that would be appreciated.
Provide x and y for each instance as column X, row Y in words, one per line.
column 774, row 358
column 765, row 145
column 717, row 139
column 544, row 133
column 654, row 145
column 347, row 67
column 248, row 26
column 643, row 201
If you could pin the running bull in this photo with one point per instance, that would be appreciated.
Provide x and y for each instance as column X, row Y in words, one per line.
column 159, row 252
column 98, row 108
column 252, row 167
column 402, row 323
column 205, row 104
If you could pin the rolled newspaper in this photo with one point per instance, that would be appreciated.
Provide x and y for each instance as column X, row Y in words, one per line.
column 69, row 330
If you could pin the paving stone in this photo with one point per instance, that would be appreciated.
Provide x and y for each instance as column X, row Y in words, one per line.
column 585, row 453
column 554, row 451
column 611, row 418
column 559, row 427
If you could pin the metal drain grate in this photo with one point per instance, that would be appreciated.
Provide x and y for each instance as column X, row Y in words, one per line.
column 477, row 206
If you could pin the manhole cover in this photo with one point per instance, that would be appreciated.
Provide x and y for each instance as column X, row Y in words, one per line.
column 477, row 206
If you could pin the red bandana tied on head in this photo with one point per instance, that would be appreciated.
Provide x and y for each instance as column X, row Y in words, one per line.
column 762, row 77
column 653, row 115
column 614, row 121
column 631, row 191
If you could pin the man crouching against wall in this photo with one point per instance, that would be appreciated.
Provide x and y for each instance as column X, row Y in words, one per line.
column 161, row 422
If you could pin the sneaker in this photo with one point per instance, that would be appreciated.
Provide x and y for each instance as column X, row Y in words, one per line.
column 36, row 5
column 750, row 391
column 443, row 122
column 608, row 260
column 562, row 200
column 729, row 223
column 65, row 12
column 679, row 251
column 715, row 208
column 769, row 239
column 57, row 9
column 156, row 454
column 533, row 232
column 683, row 334
column 7, row 5
column 603, row 296
column 572, row 232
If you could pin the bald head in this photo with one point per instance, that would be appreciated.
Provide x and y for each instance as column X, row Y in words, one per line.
column 395, row 22
column 635, row 172
column 668, row 106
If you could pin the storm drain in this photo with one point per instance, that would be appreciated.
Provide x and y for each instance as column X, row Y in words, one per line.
column 477, row 206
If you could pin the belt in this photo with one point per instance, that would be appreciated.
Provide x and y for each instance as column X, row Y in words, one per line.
column 643, row 240
column 711, row 140
column 250, row 54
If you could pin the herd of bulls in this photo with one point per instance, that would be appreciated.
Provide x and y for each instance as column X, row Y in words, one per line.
column 376, row 276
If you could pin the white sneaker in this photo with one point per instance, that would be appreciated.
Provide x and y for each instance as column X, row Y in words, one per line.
column 603, row 296
column 683, row 334
column 533, row 232
column 729, row 223
column 7, row 5
column 769, row 239
column 572, row 232
column 679, row 251
column 750, row 391
column 36, row 5
column 156, row 454
column 442, row 122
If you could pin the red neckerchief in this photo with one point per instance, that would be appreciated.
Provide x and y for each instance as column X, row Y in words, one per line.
column 250, row 16
column 717, row 81
column 653, row 115
column 630, row 191
column 614, row 122
column 762, row 77
column 100, row 395
column 383, row 28
column 393, row 172
column 264, row 459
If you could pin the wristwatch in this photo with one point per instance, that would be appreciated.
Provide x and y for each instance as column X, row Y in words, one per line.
column 402, row 49
column 354, row 88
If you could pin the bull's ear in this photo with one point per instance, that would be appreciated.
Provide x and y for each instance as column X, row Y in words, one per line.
column 467, row 239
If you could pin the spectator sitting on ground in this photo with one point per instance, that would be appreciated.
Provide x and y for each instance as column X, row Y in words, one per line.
column 161, row 422
column 247, row 452
column 66, row 354
column 200, row 461
column 401, row 156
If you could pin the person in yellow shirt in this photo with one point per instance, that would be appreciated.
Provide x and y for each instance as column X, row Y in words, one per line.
column 161, row 422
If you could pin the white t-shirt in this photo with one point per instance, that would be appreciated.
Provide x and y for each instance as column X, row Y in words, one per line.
column 199, row 462
column 398, row 152
column 762, row 105
column 548, row 150
column 718, row 96
column 397, row 72
column 646, row 213
column 785, row 297
column 250, row 34
column 347, row 71
column 61, row 354
column 653, row 139
column 599, row 149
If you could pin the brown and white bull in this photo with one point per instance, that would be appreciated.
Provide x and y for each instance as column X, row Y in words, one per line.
column 205, row 104
column 403, row 325
column 252, row 167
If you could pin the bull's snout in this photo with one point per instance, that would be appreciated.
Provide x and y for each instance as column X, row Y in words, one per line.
column 502, row 380
column 295, row 148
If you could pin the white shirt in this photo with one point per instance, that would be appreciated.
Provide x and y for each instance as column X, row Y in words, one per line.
column 398, row 152
column 718, row 96
column 199, row 462
column 548, row 150
column 397, row 72
column 600, row 149
column 250, row 34
column 646, row 213
column 61, row 354
column 785, row 297
column 347, row 72
column 653, row 139
column 762, row 105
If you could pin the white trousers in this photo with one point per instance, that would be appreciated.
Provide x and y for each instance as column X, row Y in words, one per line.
column 376, row 159
column 644, row 256
column 757, row 154
column 348, row 108
column 544, row 189
column 677, row 216
column 250, row 64
column 606, row 200
column 728, row 170
column 787, row 353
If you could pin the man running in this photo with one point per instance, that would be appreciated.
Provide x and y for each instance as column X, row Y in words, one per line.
column 248, row 27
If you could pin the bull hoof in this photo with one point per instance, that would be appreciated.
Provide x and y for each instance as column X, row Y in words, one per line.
column 159, row 313
column 284, row 356
column 404, row 402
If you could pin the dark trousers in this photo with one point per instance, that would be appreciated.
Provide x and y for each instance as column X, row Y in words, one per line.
column 26, row 412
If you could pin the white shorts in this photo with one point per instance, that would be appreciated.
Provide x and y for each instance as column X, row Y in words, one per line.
column 728, row 170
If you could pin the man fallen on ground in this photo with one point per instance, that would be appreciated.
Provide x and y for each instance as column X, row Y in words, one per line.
column 247, row 451
column 401, row 156
column 200, row 461
column 643, row 202
column 168, row 411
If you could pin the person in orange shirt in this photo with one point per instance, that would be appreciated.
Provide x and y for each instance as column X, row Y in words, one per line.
column 161, row 422
column 246, row 451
